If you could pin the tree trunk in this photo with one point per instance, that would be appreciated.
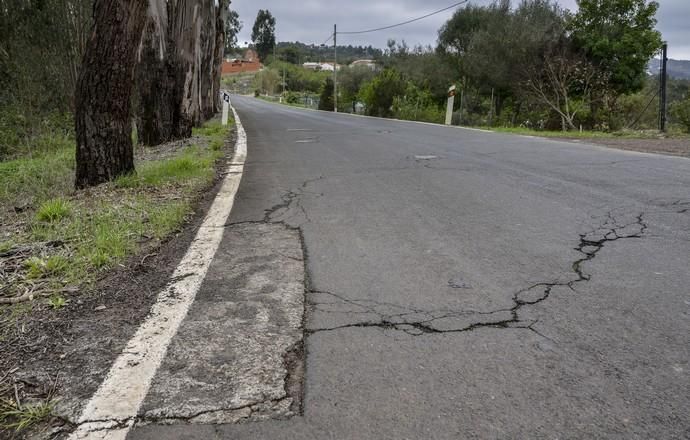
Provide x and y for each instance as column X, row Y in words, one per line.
column 221, row 17
column 155, row 80
column 103, row 124
column 208, row 58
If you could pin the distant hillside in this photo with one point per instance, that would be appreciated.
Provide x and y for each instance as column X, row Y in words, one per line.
column 679, row 69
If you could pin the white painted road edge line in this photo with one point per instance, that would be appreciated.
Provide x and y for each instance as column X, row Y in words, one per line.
column 113, row 409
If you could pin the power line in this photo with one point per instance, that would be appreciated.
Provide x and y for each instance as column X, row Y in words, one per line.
column 404, row 22
column 398, row 24
column 327, row 40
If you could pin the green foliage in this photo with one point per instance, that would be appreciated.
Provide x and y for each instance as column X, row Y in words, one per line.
column 315, row 53
column 619, row 36
column 192, row 164
column 23, row 134
column 35, row 179
column 53, row 210
column 107, row 227
column 19, row 418
column 417, row 105
column 326, row 101
column 267, row 81
column 40, row 55
column 350, row 81
column 168, row 218
column 214, row 129
column 264, row 33
column 292, row 97
column 57, row 302
column 233, row 26
column 297, row 78
column 680, row 111
column 380, row 92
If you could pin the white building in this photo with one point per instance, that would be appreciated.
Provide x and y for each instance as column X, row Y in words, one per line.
column 328, row 67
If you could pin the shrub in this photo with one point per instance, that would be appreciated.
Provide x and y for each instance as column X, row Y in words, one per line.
column 680, row 111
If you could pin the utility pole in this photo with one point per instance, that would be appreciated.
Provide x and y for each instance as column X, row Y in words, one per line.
column 335, row 68
column 662, row 92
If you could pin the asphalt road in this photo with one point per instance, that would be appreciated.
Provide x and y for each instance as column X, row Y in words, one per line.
column 464, row 284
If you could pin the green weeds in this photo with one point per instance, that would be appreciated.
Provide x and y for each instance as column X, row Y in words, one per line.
column 74, row 238
column 53, row 210
column 20, row 417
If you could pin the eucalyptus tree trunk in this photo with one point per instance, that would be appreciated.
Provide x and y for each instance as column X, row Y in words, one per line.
column 178, row 88
column 156, row 108
column 208, row 58
column 221, row 17
column 104, row 88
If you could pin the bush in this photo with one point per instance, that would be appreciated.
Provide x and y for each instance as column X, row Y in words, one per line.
column 326, row 101
column 680, row 111
column 292, row 98
column 417, row 105
column 379, row 93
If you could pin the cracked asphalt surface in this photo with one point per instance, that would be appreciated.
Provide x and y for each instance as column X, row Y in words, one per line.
column 463, row 284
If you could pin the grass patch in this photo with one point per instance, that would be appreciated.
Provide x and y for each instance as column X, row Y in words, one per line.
column 194, row 165
column 53, row 210
column 72, row 237
column 213, row 129
column 55, row 265
column 215, row 132
column 585, row 134
column 168, row 218
column 35, row 179
column 18, row 418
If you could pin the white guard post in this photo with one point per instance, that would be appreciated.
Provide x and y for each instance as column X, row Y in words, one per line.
column 451, row 103
column 226, row 108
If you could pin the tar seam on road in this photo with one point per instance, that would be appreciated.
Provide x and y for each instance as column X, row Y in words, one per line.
column 112, row 410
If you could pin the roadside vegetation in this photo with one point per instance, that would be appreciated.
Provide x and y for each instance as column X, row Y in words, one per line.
column 55, row 240
column 56, row 243
column 529, row 67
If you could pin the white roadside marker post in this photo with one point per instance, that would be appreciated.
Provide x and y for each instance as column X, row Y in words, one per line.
column 451, row 103
column 226, row 108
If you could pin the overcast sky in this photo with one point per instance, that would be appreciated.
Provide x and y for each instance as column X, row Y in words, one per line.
column 311, row 21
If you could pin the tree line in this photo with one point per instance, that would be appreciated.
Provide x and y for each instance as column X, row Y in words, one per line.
column 531, row 64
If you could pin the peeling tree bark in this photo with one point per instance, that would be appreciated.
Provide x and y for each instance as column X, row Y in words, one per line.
column 180, row 91
column 103, row 124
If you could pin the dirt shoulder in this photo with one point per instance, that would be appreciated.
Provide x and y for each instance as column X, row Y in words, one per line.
column 54, row 358
column 667, row 146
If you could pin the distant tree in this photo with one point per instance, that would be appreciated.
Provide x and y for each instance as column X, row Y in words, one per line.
column 563, row 81
column 290, row 54
column 264, row 33
column 233, row 26
column 379, row 93
column 326, row 102
column 350, row 81
column 618, row 36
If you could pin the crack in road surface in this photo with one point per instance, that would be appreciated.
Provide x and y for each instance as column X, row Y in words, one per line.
column 418, row 322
